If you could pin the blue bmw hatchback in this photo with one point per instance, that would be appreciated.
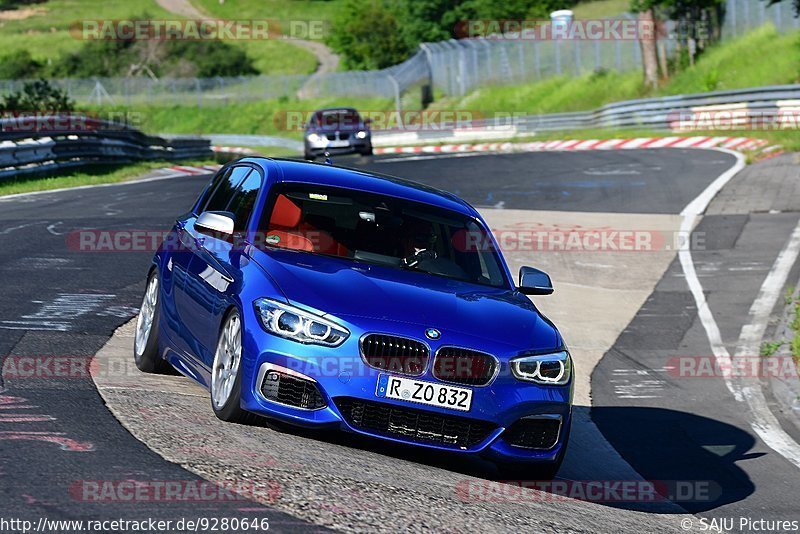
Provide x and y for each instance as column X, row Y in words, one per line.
column 324, row 296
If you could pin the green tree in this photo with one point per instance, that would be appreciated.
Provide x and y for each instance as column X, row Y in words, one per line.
column 367, row 34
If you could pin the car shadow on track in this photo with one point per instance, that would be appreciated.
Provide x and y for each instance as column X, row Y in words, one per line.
column 693, row 458
column 643, row 459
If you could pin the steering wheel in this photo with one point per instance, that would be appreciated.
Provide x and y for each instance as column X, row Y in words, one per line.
column 420, row 255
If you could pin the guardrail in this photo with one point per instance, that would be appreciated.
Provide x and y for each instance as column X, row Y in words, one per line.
column 87, row 142
column 725, row 110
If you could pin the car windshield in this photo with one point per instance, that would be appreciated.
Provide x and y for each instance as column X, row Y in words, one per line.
column 381, row 230
column 339, row 119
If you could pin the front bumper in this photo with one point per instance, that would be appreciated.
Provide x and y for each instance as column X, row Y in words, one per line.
column 342, row 379
column 353, row 145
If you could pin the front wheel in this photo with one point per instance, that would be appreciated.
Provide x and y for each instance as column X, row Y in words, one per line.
column 145, row 345
column 226, row 380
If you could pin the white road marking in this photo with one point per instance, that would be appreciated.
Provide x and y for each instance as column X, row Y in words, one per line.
column 762, row 420
column 20, row 227
column 58, row 314
column 440, row 155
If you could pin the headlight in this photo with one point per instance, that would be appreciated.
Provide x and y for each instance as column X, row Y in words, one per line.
column 298, row 325
column 313, row 138
column 550, row 369
column 361, row 135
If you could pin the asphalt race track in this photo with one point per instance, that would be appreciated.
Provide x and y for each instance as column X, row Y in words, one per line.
column 624, row 315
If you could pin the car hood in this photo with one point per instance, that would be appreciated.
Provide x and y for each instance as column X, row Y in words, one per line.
column 352, row 290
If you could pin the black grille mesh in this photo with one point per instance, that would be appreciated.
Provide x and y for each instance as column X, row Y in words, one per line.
column 464, row 366
column 395, row 354
column 533, row 433
column 413, row 425
column 292, row 391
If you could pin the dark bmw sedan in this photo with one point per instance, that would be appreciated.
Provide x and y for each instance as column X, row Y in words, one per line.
column 337, row 131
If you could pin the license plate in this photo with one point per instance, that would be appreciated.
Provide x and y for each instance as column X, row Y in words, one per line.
column 338, row 144
column 422, row 392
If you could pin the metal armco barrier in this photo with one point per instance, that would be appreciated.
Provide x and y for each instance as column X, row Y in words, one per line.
column 29, row 146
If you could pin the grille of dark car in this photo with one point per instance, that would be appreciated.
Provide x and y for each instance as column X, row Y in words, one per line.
column 395, row 354
column 292, row 391
column 331, row 137
column 413, row 425
column 464, row 366
column 344, row 136
column 533, row 433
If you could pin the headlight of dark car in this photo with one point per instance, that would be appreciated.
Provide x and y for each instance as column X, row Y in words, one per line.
column 549, row 369
column 298, row 325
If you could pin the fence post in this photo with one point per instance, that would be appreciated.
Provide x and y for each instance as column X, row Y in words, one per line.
column 577, row 49
column 597, row 60
column 397, row 105
column 538, row 58
column 557, row 44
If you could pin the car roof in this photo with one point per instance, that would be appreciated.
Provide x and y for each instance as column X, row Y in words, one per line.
column 333, row 110
column 306, row 172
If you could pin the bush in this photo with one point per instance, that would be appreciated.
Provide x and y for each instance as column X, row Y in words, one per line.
column 20, row 65
column 208, row 58
column 203, row 58
column 37, row 96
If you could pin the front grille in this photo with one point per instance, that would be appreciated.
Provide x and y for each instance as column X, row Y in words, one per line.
column 292, row 391
column 533, row 433
column 344, row 136
column 395, row 354
column 331, row 137
column 464, row 366
column 414, row 425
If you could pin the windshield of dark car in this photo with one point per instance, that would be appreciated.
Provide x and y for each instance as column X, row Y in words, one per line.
column 380, row 230
column 338, row 120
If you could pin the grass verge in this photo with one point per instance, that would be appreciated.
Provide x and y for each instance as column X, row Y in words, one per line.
column 43, row 30
column 267, row 117
column 100, row 174
column 735, row 64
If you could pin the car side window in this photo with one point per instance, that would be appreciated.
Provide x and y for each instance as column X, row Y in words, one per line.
column 221, row 175
column 222, row 195
column 244, row 199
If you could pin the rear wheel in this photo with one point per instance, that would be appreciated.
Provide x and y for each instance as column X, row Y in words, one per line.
column 226, row 380
column 145, row 345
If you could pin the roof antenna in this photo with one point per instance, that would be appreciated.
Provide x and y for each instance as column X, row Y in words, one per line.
column 328, row 160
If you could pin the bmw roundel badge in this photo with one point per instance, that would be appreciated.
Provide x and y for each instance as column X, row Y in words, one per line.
column 432, row 333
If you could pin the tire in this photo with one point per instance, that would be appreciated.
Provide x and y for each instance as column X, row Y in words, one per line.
column 145, row 346
column 226, row 378
column 531, row 471
column 367, row 152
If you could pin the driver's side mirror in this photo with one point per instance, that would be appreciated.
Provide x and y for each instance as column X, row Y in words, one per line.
column 215, row 222
column 534, row 282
